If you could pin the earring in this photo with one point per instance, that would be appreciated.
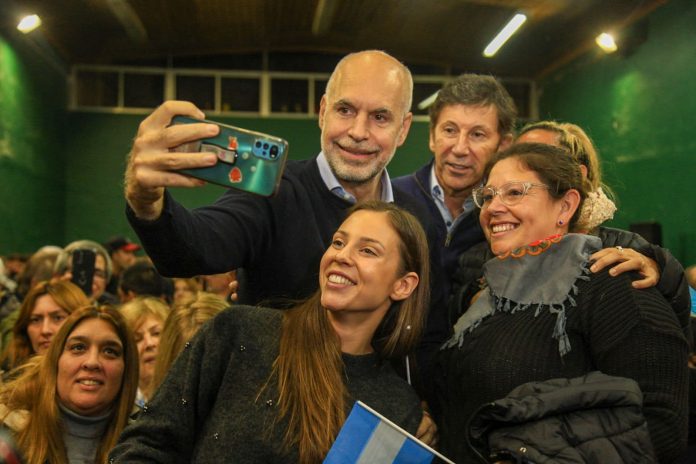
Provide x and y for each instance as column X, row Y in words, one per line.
column 560, row 222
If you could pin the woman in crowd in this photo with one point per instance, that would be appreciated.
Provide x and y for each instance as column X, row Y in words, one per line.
column 186, row 288
column 542, row 315
column 70, row 405
column 145, row 316
column 184, row 320
column 258, row 385
column 43, row 311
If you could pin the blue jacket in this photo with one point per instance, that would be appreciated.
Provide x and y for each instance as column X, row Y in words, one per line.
column 465, row 234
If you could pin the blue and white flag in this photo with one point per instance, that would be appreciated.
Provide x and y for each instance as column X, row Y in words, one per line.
column 367, row 437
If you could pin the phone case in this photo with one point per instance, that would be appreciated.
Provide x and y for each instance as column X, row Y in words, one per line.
column 247, row 160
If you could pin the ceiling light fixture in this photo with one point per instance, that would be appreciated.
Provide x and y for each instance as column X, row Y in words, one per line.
column 428, row 101
column 29, row 23
column 503, row 36
column 606, row 42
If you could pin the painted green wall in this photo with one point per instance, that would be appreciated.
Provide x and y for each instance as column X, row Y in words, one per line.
column 641, row 112
column 32, row 155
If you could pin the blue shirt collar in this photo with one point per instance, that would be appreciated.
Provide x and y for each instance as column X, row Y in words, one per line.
column 438, row 195
column 337, row 189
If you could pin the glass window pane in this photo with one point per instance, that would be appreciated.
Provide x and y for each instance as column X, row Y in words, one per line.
column 289, row 95
column 197, row 89
column 143, row 90
column 97, row 88
column 240, row 94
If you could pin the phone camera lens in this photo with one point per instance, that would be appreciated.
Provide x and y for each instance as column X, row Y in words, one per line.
column 265, row 146
column 258, row 144
column 274, row 151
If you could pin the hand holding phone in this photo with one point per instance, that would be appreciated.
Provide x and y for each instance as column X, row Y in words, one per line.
column 247, row 160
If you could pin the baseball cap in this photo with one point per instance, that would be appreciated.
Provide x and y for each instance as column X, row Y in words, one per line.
column 121, row 243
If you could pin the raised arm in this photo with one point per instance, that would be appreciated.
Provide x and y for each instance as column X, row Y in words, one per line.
column 152, row 167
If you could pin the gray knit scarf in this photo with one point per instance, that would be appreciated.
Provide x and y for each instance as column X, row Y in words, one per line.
column 543, row 274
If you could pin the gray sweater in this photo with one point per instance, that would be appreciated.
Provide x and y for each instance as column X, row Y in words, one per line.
column 207, row 411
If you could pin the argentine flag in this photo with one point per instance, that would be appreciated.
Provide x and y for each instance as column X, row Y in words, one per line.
column 367, row 437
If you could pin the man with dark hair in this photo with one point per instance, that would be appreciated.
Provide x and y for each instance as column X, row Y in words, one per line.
column 141, row 279
column 472, row 117
column 122, row 252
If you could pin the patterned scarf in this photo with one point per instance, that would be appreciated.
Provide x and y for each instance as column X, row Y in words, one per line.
column 515, row 283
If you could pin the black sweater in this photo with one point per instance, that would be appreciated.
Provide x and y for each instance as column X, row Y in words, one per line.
column 207, row 411
column 614, row 329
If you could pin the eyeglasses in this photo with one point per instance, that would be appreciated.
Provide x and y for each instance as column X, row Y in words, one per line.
column 510, row 193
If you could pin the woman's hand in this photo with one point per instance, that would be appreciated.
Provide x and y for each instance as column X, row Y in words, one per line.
column 628, row 259
column 427, row 430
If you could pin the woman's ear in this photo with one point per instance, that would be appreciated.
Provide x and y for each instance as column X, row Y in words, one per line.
column 404, row 286
column 570, row 203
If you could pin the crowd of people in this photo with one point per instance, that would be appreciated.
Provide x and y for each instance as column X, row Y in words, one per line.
column 451, row 300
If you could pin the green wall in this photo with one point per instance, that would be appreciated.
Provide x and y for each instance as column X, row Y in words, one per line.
column 640, row 110
column 32, row 155
column 98, row 144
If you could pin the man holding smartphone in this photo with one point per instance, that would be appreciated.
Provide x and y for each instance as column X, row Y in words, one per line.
column 277, row 242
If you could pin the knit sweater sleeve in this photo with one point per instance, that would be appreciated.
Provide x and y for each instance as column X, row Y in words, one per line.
column 634, row 333
column 166, row 429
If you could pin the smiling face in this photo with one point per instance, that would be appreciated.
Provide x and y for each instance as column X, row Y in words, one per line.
column 363, row 116
column 45, row 320
column 535, row 217
column 90, row 368
column 463, row 140
column 147, row 336
column 359, row 272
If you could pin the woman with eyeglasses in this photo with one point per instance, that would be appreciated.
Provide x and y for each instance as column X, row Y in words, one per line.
column 542, row 315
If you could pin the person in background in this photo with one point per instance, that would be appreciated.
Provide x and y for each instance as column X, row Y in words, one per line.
column 543, row 315
column 184, row 320
column 42, row 313
column 70, row 405
column 145, row 316
column 259, row 385
column 102, row 269
column 219, row 284
column 142, row 279
column 122, row 253
column 185, row 288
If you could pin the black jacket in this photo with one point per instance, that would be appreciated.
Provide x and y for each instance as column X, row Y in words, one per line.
column 595, row 418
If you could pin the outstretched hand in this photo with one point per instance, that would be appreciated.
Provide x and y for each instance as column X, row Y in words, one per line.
column 628, row 259
column 151, row 165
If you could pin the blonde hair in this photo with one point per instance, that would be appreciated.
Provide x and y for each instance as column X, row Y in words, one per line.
column 309, row 368
column 181, row 325
column 41, row 439
column 139, row 308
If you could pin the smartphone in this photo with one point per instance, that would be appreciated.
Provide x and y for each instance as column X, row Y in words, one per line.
column 83, row 269
column 247, row 160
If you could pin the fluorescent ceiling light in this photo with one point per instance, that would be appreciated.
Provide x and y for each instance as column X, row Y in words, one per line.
column 29, row 23
column 606, row 42
column 503, row 36
column 428, row 101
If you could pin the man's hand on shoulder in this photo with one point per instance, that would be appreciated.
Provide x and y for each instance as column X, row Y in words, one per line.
column 152, row 166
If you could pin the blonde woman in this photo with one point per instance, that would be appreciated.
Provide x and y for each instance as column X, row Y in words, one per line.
column 181, row 325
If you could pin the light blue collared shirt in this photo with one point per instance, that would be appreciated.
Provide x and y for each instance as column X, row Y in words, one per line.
column 438, row 195
column 335, row 187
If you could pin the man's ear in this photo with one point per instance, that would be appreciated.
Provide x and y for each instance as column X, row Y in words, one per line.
column 403, row 131
column 505, row 142
column 404, row 286
column 322, row 111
